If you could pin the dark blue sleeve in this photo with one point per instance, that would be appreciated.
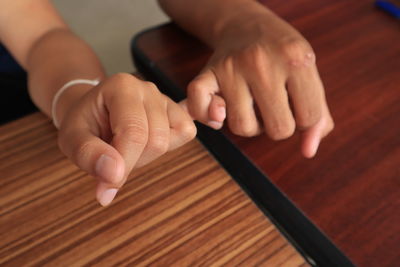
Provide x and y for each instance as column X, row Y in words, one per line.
column 7, row 62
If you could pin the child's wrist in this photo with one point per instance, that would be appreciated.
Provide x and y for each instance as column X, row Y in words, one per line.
column 67, row 96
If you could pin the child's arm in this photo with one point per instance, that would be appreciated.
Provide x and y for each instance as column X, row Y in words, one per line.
column 258, row 59
column 106, row 130
column 44, row 46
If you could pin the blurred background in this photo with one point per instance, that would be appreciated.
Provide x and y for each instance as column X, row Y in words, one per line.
column 109, row 25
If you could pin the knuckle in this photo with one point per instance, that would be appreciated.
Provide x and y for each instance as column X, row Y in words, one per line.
column 151, row 86
column 307, row 118
column 138, row 134
column 135, row 129
column 120, row 85
column 298, row 53
column 227, row 64
column 187, row 130
column 195, row 89
column 258, row 58
column 82, row 150
column 151, row 91
column 281, row 131
column 122, row 78
column 243, row 127
column 158, row 144
column 244, row 132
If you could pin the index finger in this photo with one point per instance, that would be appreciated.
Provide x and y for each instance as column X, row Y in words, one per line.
column 128, row 123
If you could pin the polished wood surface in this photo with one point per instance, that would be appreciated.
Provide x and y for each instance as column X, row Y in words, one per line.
column 181, row 210
column 351, row 190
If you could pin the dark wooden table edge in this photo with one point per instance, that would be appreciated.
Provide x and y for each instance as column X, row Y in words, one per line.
column 307, row 238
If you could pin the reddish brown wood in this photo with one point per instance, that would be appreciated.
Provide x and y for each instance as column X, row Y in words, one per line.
column 351, row 190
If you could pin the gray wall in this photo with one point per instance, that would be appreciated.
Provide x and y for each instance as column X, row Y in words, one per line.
column 108, row 26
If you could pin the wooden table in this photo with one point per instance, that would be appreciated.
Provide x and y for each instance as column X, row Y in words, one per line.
column 181, row 210
column 345, row 203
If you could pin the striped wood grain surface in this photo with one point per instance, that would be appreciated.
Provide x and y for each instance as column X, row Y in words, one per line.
column 181, row 210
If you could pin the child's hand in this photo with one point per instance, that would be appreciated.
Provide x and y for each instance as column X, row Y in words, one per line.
column 118, row 125
column 263, row 62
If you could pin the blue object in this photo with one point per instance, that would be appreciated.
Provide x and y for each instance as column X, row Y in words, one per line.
column 389, row 7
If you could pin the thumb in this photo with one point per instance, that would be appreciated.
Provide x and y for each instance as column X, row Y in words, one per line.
column 96, row 157
column 311, row 138
column 203, row 102
column 216, row 111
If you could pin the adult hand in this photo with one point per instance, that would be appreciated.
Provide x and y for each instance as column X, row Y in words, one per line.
column 262, row 63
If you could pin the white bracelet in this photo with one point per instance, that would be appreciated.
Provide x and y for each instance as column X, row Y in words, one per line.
column 62, row 90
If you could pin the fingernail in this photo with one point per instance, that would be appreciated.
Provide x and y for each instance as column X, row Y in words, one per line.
column 222, row 112
column 107, row 196
column 314, row 146
column 215, row 124
column 105, row 167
